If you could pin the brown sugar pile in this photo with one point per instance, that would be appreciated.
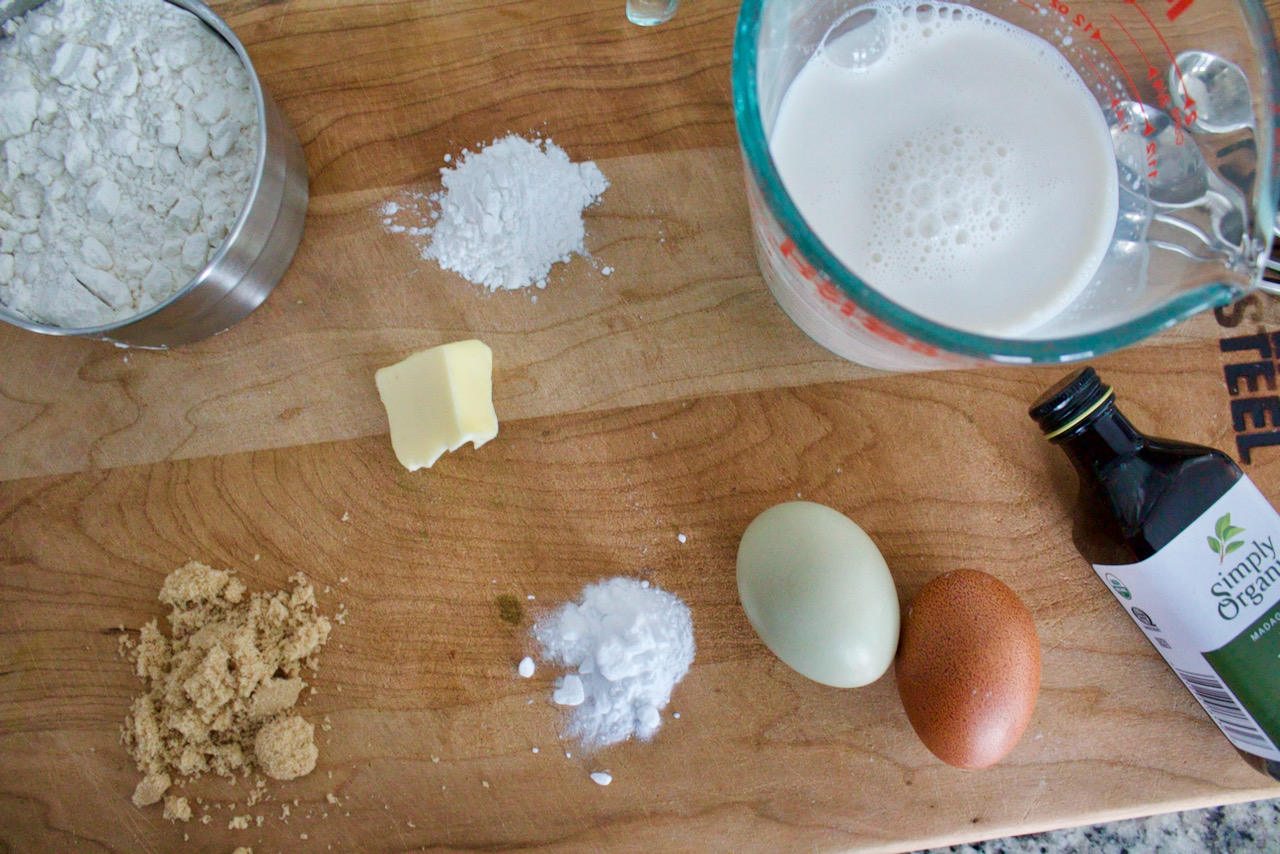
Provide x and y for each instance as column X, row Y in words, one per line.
column 221, row 690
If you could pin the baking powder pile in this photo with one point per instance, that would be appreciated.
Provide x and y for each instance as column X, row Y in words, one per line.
column 507, row 213
column 629, row 644
column 221, row 690
column 129, row 145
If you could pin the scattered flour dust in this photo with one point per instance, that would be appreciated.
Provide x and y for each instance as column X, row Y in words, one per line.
column 220, row 691
column 505, row 215
column 628, row 644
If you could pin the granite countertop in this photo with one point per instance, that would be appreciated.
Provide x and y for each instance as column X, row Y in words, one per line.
column 1248, row 828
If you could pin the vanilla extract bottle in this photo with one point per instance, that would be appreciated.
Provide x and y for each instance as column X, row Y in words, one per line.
column 1187, row 545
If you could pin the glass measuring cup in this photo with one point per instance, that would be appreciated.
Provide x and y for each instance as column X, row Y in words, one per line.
column 1189, row 92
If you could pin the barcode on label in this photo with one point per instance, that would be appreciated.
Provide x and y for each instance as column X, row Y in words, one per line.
column 1225, row 710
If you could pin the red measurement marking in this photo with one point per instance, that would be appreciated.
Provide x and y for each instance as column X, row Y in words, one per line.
column 1157, row 82
column 1133, row 87
column 1187, row 99
column 857, row 314
column 1177, row 7
column 1151, row 69
column 803, row 267
column 1025, row 3
column 1162, row 89
column 1115, row 102
column 1086, row 26
column 1152, row 160
column 1098, row 73
column 831, row 294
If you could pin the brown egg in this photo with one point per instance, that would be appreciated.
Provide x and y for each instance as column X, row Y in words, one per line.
column 968, row 668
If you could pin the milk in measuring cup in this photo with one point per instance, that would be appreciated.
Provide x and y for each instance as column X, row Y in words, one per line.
column 956, row 163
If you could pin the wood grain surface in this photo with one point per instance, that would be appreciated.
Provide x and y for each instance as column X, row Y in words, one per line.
column 671, row 397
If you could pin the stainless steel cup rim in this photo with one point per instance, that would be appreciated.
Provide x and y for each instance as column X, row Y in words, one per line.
column 210, row 18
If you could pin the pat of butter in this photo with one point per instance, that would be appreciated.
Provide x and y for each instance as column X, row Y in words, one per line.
column 438, row 400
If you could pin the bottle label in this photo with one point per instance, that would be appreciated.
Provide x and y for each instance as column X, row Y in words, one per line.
column 1209, row 601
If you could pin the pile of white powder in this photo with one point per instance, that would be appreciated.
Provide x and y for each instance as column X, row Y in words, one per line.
column 129, row 144
column 507, row 213
column 628, row 644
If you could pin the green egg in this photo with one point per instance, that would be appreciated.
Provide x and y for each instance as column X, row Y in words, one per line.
column 819, row 594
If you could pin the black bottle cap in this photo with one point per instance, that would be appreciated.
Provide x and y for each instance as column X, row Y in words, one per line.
column 1069, row 401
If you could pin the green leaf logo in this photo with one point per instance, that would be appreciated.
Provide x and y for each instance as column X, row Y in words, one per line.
column 1225, row 542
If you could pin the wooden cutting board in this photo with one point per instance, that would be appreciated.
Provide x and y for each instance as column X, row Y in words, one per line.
column 670, row 398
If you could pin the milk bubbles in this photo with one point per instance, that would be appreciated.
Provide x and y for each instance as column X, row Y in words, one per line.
column 954, row 162
column 858, row 40
column 945, row 190
column 943, row 194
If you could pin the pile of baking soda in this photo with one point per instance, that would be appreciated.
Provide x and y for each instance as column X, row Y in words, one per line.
column 507, row 213
column 221, row 691
column 129, row 145
column 628, row 644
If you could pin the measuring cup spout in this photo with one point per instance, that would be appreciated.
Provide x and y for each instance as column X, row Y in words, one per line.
column 1186, row 194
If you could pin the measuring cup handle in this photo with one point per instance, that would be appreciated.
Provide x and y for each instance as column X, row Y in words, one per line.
column 1270, row 282
column 1270, row 285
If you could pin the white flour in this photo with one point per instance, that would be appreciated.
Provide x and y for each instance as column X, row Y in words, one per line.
column 128, row 131
column 507, row 213
column 629, row 644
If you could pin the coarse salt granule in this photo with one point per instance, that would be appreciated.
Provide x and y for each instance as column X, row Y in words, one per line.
column 570, row 692
column 629, row 644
